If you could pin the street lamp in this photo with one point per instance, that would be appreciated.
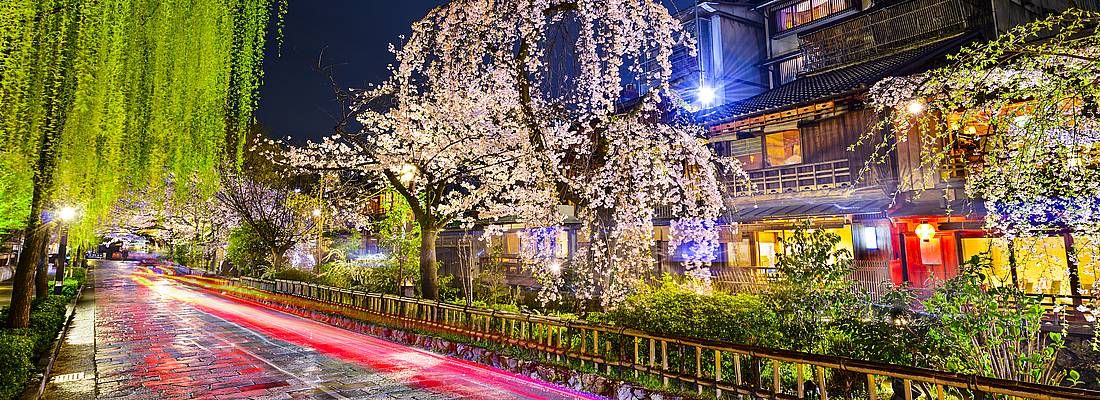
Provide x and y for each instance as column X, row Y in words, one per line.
column 707, row 95
column 915, row 107
column 65, row 215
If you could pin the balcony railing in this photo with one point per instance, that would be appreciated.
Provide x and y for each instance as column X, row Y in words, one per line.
column 870, row 276
column 797, row 178
column 889, row 30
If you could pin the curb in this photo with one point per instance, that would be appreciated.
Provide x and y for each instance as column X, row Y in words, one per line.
column 55, row 349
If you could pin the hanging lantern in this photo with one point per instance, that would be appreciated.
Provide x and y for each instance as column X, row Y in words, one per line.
column 925, row 231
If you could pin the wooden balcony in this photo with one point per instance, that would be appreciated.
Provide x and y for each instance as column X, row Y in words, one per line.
column 872, row 277
column 834, row 174
column 888, row 30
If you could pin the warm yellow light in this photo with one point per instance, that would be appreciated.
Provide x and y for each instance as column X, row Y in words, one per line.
column 316, row 212
column 554, row 267
column 925, row 231
column 66, row 214
column 406, row 173
column 915, row 107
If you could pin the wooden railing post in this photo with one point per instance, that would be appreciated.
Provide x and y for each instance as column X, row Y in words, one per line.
column 717, row 373
column 664, row 363
column 821, row 388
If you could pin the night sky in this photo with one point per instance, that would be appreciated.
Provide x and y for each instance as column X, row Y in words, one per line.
column 297, row 100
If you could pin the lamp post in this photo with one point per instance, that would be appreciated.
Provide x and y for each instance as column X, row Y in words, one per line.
column 66, row 215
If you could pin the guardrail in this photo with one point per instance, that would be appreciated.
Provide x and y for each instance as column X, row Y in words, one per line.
column 722, row 369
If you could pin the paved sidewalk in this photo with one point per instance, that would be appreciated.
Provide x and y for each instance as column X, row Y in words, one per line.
column 73, row 374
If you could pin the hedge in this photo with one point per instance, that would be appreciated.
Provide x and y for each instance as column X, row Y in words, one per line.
column 19, row 348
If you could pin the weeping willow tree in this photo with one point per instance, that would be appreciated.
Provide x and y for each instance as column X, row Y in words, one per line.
column 101, row 96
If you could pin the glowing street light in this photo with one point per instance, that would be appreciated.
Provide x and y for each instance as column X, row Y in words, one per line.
column 707, row 95
column 66, row 215
column 554, row 267
column 316, row 212
column 406, row 173
column 915, row 107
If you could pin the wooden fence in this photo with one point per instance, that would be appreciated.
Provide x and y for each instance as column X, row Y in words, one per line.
column 725, row 370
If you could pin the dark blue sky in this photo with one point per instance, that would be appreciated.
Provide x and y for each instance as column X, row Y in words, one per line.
column 296, row 100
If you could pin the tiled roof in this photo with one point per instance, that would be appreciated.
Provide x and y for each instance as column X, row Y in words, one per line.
column 820, row 86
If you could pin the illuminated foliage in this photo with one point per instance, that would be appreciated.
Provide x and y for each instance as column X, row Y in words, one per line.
column 510, row 108
column 152, row 89
column 97, row 97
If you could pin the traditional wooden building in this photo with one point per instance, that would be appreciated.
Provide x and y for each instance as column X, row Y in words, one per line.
column 799, row 141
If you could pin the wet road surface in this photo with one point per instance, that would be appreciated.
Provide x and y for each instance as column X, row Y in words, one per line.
column 158, row 339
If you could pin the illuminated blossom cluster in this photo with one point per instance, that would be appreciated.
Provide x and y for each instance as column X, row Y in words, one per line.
column 510, row 108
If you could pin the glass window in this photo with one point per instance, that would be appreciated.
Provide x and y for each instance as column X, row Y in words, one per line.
column 808, row 11
column 790, row 68
column 747, row 151
column 739, row 253
column 770, row 242
column 783, row 148
column 510, row 242
column 1041, row 265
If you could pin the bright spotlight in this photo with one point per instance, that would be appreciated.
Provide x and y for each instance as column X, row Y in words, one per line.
column 406, row 173
column 707, row 95
column 915, row 107
column 66, row 213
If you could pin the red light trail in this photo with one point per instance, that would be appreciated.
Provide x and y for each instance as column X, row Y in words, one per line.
column 436, row 373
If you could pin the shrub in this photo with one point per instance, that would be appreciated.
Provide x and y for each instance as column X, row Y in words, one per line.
column 15, row 366
column 675, row 309
column 292, row 274
column 47, row 317
column 996, row 331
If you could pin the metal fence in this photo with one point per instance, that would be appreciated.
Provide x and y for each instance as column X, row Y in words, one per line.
column 724, row 370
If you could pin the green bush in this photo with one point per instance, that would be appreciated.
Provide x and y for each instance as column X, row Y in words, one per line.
column 47, row 317
column 15, row 365
column 292, row 274
column 674, row 309
column 20, row 347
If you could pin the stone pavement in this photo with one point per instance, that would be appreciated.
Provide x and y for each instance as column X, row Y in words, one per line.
column 73, row 374
column 157, row 339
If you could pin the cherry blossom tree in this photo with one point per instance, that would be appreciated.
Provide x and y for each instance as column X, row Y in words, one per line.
column 513, row 107
column 271, row 211
column 439, row 152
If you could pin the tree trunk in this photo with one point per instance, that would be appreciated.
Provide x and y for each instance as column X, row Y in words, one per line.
column 42, row 273
column 429, row 270
column 58, row 91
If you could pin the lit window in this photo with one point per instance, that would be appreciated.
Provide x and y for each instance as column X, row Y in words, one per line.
column 783, row 148
column 808, row 11
column 747, row 151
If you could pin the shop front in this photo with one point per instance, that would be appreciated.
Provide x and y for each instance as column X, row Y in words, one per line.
column 934, row 248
